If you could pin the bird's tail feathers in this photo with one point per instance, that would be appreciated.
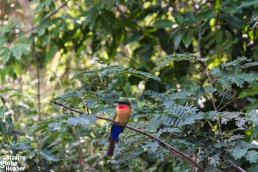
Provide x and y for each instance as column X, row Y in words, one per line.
column 111, row 147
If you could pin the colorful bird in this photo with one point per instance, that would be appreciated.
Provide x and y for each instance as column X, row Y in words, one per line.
column 122, row 115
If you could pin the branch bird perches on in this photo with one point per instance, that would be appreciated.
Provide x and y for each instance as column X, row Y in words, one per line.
column 172, row 150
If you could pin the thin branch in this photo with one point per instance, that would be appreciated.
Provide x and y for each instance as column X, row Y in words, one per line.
column 237, row 168
column 104, row 85
column 212, row 97
column 204, row 5
column 37, row 60
column 47, row 17
column 86, row 106
column 80, row 151
column 226, row 104
column 38, row 77
column 172, row 150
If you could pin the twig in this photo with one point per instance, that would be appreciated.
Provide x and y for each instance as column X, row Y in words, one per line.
column 212, row 97
column 38, row 76
column 80, row 151
column 172, row 150
column 47, row 17
column 237, row 168
column 86, row 106
column 226, row 104
column 34, row 54
column 204, row 5
column 104, row 85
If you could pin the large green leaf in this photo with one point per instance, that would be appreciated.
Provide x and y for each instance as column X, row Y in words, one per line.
column 19, row 49
column 6, row 55
column 188, row 37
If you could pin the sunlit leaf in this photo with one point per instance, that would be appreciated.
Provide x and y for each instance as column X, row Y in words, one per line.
column 19, row 49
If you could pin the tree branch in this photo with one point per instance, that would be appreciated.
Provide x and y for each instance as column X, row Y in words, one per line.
column 47, row 17
column 37, row 61
column 212, row 97
column 172, row 150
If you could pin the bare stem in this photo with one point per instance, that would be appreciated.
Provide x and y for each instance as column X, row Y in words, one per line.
column 212, row 97
column 37, row 60
column 86, row 106
column 80, row 151
column 38, row 77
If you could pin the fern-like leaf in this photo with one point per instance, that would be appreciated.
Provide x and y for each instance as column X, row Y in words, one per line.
column 162, row 62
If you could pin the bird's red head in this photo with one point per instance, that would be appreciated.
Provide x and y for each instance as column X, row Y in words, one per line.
column 124, row 104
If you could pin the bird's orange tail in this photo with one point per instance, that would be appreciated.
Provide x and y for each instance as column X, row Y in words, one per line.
column 111, row 147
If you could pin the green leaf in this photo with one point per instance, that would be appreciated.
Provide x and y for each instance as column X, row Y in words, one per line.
column 248, row 3
column 179, row 19
column 5, row 89
column 188, row 37
column 54, row 126
column 142, row 75
column 246, row 65
column 239, row 152
column 153, row 146
column 248, row 92
column 9, row 120
column 254, row 133
column 48, row 155
column 206, row 14
column 163, row 23
column 178, row 39
column 43, row 4
column 3, row 109
column 113, row 71
column 50, row 53
column 19, row 49
column 3, row 129
column 82, row 119
column 91, row 119
column 6, row 55
column 2, row 51
column 127, row 88
column 252, row 106
column 22, row 146
column 219, row 36
column 252, row 156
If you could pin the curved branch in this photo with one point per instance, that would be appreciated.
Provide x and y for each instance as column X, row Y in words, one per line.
column 47, row 17
column 172, row 150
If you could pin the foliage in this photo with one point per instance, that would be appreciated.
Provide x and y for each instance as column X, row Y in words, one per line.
column 87, row 54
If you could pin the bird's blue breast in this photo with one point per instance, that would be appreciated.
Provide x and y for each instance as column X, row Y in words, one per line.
column 115, row 131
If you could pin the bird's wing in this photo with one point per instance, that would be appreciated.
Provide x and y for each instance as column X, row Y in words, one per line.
column 115, row 114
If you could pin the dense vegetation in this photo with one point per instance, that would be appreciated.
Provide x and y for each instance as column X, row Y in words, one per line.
column 189, row 69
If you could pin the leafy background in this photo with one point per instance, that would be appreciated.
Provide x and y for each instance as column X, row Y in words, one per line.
column 188, row 67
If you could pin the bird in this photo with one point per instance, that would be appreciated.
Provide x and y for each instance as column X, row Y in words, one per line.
column 122, row 115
